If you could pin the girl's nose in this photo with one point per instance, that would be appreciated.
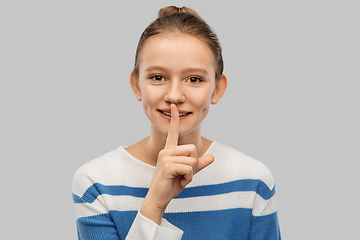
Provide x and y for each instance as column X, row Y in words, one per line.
column 174, row 93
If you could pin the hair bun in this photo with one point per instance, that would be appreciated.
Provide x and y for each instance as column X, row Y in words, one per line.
column 173, row 9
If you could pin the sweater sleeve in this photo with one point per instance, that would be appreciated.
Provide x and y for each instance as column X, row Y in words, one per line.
column 144, row 228
column 93, row 218
column 265, row 224
column 95, row 222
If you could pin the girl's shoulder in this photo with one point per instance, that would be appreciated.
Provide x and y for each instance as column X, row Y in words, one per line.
column 116, row 167
column 233, row 165
column 100, row 164
column 94, row 171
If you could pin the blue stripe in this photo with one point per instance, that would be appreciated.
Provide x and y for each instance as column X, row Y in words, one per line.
column 245, row 185
column 266, row 227
column 231, row 224
column 226, row 224
column 97, row 189
column 236, row 186
column 96, row 227
column 272, row 193
column 77, row 199
column 238, row 223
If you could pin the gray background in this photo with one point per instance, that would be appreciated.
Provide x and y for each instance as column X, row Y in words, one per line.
column 292, row 102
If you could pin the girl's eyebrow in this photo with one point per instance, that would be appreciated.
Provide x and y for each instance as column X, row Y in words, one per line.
column 189, row 70
column 186, row 70
column 155, row 68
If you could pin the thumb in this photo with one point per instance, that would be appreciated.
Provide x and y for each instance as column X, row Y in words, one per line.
column 204, row 161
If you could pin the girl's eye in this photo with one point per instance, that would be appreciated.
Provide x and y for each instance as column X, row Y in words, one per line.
column 194, row 80
column 157, row 78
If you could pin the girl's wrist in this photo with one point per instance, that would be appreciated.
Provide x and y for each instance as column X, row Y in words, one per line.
column 152, row 212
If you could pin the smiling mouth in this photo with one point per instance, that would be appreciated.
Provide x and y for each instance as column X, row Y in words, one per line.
column 169, row 113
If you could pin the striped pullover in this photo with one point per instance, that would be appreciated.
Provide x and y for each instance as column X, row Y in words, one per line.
column 233, row 198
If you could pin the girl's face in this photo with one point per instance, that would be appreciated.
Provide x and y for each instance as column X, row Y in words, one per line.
column 176, row 68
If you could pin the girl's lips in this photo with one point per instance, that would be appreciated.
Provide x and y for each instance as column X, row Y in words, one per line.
column 166, row 113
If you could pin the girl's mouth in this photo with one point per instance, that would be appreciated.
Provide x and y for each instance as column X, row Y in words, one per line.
column 167, row 113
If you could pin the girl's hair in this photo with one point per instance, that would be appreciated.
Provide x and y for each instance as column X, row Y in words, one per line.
column 182, row 20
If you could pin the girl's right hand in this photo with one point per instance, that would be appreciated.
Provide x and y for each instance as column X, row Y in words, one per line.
column 175, row 168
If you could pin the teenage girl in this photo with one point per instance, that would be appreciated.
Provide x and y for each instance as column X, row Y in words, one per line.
column 176, row 184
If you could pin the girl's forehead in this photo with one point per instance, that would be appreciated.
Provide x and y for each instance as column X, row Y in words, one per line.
column 176, row 50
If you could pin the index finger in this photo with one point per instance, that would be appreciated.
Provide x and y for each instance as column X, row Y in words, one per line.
column 173, row 132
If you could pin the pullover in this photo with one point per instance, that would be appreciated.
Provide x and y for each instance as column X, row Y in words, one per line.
column 232, row 198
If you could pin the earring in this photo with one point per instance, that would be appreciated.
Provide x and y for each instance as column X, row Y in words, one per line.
column 213, row 101
column 139, row 98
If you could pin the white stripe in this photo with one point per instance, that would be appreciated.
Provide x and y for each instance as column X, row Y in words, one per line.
column 249, row 200
column 194, row 204
column 88, row 210
column 212, row 203
column 267, row 207
column 123, row 203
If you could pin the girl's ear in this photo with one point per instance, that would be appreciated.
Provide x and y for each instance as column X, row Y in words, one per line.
column 134, row 83
column 220, row 89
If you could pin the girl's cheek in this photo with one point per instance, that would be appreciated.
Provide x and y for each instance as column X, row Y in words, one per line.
column 149, row 94
column 201, row 98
